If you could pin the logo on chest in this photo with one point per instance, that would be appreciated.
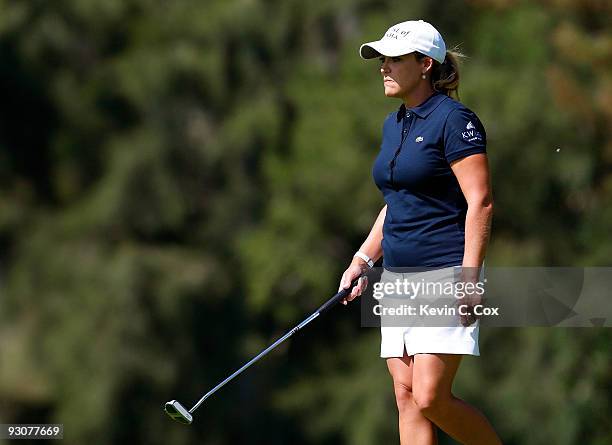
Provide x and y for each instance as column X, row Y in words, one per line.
column 419, row 139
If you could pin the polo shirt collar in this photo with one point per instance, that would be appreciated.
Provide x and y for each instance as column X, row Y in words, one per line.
column 425, row 109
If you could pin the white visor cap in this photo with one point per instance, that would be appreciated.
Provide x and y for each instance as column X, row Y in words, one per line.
column 407, row 37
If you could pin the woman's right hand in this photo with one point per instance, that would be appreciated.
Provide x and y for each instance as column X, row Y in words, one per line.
column 356, row 269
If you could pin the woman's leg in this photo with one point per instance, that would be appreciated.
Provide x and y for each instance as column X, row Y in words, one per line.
column 432, row 380
column 414, row 427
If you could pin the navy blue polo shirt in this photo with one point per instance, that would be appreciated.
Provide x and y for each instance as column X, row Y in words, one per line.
column 425, row 221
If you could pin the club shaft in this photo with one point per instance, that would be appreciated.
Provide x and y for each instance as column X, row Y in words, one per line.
column 254, row 359
column 328, row 304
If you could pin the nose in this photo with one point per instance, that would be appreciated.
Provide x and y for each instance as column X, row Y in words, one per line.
column 384, row 67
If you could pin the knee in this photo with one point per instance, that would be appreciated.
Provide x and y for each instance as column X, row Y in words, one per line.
column 403, row 397
column 430, row 402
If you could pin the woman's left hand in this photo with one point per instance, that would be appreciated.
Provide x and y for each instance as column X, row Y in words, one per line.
column 469, row 302
column 472, row 296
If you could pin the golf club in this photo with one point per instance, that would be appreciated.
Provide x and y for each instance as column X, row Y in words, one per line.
column 178, row 412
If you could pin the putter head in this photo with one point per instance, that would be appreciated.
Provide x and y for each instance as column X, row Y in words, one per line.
column 177, row 412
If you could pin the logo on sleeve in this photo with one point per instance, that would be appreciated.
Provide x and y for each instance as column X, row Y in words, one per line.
column 471, row 134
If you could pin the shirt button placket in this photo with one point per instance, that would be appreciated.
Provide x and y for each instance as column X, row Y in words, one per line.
column 397, row 152
column 405, row 130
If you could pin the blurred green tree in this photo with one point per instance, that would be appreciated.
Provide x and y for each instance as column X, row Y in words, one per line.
column 180, row 183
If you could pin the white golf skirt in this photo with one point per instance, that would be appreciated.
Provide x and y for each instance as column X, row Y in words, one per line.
column 426, row 339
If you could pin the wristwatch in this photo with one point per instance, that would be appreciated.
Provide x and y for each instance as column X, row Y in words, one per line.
column 364, row 257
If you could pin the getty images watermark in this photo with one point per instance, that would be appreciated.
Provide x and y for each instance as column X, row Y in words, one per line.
column 422, row 290
column 495, row 296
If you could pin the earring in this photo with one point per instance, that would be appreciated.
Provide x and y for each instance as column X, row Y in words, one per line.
column 423, row 76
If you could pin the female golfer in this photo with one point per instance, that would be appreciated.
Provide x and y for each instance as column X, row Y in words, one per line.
column 432, row 171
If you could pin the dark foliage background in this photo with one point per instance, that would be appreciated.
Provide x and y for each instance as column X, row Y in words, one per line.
column 180, row 182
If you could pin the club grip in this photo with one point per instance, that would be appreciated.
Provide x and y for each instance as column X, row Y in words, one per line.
column 343, row 293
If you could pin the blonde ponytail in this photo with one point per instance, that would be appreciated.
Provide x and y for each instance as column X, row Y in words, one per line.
column 445, row 76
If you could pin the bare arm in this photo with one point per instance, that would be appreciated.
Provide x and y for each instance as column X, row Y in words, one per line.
column 472, row 173
column 372, row 248
column 474, row 179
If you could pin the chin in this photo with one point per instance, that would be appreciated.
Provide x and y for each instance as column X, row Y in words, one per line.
column 391, row 93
